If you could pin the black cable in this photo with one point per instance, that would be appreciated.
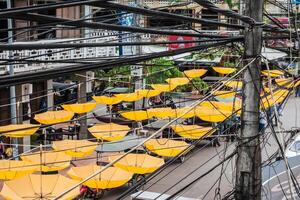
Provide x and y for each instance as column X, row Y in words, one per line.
column 8, row 47
column 34, row 76
column 229, row 13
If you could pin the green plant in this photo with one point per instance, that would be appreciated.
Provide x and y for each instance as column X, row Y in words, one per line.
column 159, row 72
column 232, row 3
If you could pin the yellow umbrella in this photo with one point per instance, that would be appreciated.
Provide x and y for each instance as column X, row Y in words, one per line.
column 228, row 106
column 272, row 73
column 41, row 187
column 129, row 97
column 287, row 82
column 233, row 84
column 195, row 73
column 212, row 115
column 138, row 163
column 107, row 100
column 224, row 94
column 75, row 148
column 180, row 111
column 80, row 108
column 278, row 97
column 52, row 117
column 166, row 147
column 178, row 81
column 148, row 93
column 48, row 160
column 12, row 169
column 109, row 131
column 15, row 130
column 192, row 131
column 162, row 113
column 163, row 87
column 138, row 115
column 224, row 70
column 111, row 177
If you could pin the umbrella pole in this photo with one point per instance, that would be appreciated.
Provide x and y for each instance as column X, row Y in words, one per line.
column 41, row 160
column 45, row 136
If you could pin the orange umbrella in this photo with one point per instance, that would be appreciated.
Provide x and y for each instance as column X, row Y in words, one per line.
column 19, row 130
column 148, row 93
column 80, row 108
column 166, row 147
column 111, row 177
column 75, row 148
column 36, row 186
column 224, row 70
column 195, row 73
column 12, row 169
column 48, row 160
column 162, row 113
column 109, row 131
column 191, row 131
column 138, row 115
column 163, row 87
column 52, row 117
column 107, row 100
column 137, row 163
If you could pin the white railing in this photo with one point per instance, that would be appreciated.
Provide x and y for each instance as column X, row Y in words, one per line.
column 69, row 54
column 80, row 53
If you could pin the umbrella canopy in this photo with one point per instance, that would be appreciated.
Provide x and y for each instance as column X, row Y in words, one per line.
column 192, row 131
column 41, row 187
column 129, row 97
column 12, row 169
column 109, row 131
column 178, row 81
column 107, row 100
column 195, row 73
column 224, row 94
column 80, row 108
column 163, row 87
column 180, row 111
column 272, row 73
column 75, row 148
column 224, row 70
column 138, row 163
column 166, row 147
column 233, row 84
column 52, row 117
column 287, row 82
column 162, row 113
column 228, row 106
column 19, row 130
column 48, row 160
column 148, row 93
column 138, row 115
column 277, row 97
column 211, row 114
column 111, row 177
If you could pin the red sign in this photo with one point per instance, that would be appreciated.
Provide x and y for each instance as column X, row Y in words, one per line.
column 174, row 46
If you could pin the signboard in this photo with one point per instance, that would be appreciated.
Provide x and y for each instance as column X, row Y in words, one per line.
column 180, row 45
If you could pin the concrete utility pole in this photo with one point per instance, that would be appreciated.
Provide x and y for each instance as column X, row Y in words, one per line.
column 13, row 106
column 248, row 163
column 137, row 70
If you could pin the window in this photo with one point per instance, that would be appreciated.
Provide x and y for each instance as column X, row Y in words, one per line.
column 209, row 15
column 295, row 147
column 154, row 22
